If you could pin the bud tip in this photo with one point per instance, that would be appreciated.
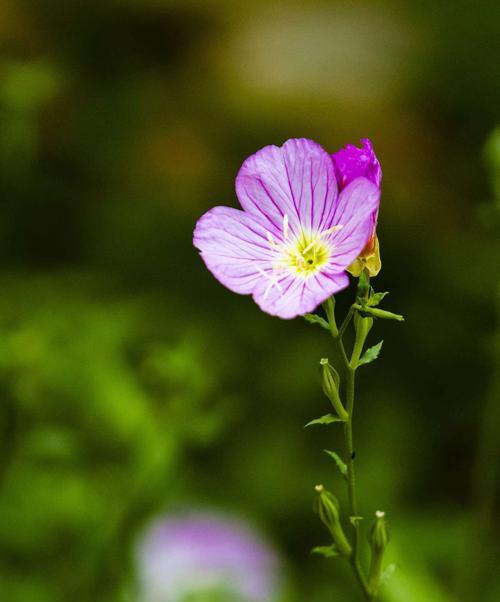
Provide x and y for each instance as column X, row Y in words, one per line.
column 319, row 488
column 379, row 514
column 323, row 361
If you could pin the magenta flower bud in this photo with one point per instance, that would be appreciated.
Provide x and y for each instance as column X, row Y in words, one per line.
column 200, row 555
column 352, row 162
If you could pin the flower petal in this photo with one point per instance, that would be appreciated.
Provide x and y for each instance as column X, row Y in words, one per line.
column 357, row 204
column 297, row 296
column 234, row 247
column 352, row 162
column 297, row 180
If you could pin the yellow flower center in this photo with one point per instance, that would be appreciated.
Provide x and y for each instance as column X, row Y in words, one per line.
column 306, row 255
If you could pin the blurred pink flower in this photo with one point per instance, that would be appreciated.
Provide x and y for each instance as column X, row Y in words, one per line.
column 200, row 553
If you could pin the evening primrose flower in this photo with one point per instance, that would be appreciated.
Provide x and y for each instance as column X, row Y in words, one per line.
column 297, row 234
column 206, row 556
column 352, row 162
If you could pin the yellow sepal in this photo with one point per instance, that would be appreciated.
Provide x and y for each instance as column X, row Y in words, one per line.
column 367, row 261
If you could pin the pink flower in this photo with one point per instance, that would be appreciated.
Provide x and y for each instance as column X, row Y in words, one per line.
column 297, row 234
column 197, row 554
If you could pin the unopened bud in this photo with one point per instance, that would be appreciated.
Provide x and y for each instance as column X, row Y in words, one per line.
column 362, row 326
column 330, row 381
column 378, row 534
column 378, row 541
column 327, row 507
column 378, row 313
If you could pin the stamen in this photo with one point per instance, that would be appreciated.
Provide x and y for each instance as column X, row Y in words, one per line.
column 331, row 230
column 271, row 240
column 309, row 246
column 272, row 281
column 285, row 226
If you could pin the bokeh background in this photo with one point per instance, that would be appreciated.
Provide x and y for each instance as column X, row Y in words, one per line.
column 133, row 384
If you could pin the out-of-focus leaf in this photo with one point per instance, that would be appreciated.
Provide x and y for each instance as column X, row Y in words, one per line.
column 341, row 465
column 326, row 551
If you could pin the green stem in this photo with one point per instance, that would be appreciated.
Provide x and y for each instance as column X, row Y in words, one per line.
column 351, row 482
column 346, row 322
column 350, row 372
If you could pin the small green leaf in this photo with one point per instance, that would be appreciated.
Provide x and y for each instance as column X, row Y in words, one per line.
column 341, row 465
column 326, row 419
column 354, row 520
column 314, row 319
column 370, row 354
column 376, row 298
column 326, row 551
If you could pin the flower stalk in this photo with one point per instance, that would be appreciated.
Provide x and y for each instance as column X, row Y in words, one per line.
column 365, row 298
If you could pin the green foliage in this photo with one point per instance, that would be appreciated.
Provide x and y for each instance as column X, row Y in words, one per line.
column 97, row 409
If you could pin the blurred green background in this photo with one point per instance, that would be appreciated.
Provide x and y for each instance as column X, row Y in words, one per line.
column 131, row 381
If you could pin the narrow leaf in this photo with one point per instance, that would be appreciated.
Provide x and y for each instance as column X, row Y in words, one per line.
column 326, row 419
column 314, row 319
column 326, row 551
column 341, row 465
column 376, row 298
column 370, row 354
column 354, row 520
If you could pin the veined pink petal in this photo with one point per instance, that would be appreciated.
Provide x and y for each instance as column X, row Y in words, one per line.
column 234, row 247
column 297, row 180
column 298, row 296
column 356, row 206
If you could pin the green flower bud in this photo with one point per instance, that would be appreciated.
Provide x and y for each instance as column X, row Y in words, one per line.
column 330, row 381
column 378, row 313
column 327, row 507
column 362, row 326
column 378, row 541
